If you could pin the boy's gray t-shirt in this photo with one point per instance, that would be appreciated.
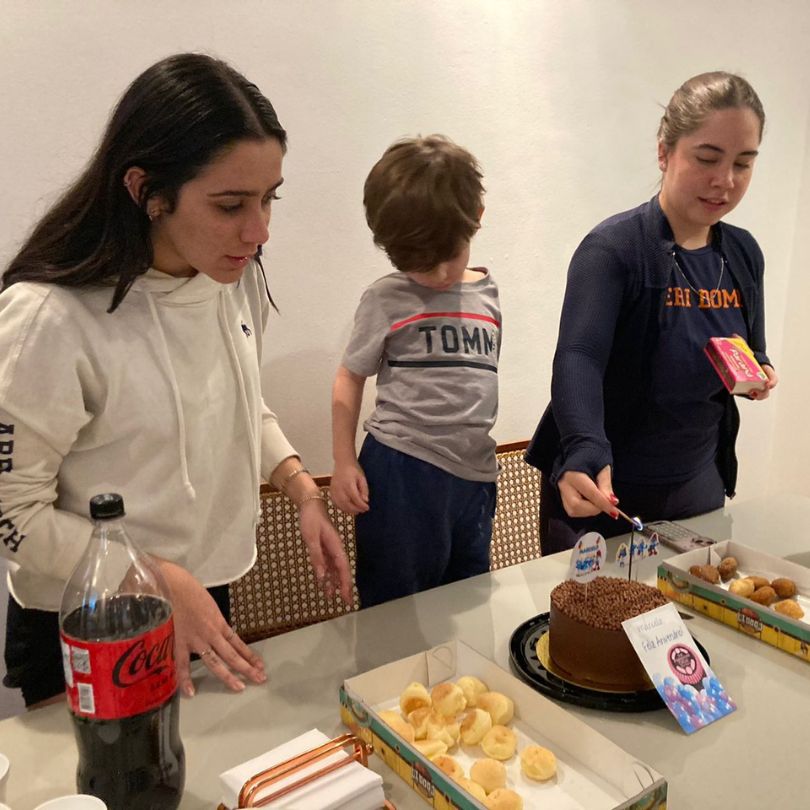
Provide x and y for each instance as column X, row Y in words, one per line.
column 435, row 354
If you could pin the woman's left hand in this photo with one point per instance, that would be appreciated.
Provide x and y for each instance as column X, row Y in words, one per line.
column 325, row 547
column 772, row 382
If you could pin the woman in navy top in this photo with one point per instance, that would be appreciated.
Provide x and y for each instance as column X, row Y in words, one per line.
column 636, row 407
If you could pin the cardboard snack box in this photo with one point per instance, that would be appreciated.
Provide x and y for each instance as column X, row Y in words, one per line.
column 736, row 365
column 745, row 615
column 592, row 772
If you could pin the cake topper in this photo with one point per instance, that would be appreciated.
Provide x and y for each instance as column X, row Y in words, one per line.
column 587, row 557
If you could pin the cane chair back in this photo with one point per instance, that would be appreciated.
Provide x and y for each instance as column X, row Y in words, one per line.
column 280, row 592
column 516, row 528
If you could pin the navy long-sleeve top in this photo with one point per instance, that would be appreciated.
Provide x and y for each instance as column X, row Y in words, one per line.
column 629, row 308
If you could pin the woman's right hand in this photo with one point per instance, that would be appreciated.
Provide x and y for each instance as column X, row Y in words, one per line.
column 200, row 627
column 349, row 488
column 583, row 497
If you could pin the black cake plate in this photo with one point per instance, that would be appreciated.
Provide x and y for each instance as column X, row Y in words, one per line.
column 529, row 668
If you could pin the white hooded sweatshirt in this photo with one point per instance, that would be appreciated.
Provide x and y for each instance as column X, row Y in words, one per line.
column 159, row 401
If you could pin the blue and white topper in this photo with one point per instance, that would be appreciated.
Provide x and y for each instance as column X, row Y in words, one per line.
column 587, row 557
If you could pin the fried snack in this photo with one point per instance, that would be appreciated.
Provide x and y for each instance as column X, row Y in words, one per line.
column 489, row 773
column 759, row 582
column 503, row 799
column 442, row 728
column 709, row 573
column 472, row 687
column 399, row 725
column 475, row 724
column 538, row 763
column 448, row 699
column 742, row 587
column 450, row 766
column 431, row 748
column 784, row 587
column 789, row 608
column 418, row 718
column 414, row 696
column 500, row 707
column 473, row 788
column 727, row 568
column 764, row 595
column 499, row 742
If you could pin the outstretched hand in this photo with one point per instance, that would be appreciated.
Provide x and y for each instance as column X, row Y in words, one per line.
column 200, row 627
column 583, row 497
column 325, row 548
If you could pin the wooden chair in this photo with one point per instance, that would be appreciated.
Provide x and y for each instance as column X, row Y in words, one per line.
column 280, row 593
column 516, row 528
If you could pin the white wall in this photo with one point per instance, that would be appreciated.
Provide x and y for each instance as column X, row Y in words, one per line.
column 559, row 101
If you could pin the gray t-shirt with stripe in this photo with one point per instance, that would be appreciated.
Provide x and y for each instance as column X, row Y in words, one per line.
column 435, row 354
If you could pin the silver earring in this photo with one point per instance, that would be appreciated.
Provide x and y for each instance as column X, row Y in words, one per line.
column 152, row 216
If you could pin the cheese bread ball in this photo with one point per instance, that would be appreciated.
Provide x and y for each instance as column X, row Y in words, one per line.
column 475, row 724
column 448, row 699
column 399, row 725
column 503, row 799
column 472, row 687
column 489, row 773
column 473, row 788
column 414, row 696
column 430, row 748
column 538, row 763
column 450, row 766
column 500, row 707
column 499, row 742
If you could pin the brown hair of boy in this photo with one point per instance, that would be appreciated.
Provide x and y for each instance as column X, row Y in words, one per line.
column 423, row 201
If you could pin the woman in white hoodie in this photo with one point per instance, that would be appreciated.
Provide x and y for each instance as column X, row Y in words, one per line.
column 130, row 346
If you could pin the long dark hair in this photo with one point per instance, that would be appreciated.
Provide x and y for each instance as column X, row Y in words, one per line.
column 172, row 121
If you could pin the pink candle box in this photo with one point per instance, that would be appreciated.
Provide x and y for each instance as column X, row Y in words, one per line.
column 736, row 365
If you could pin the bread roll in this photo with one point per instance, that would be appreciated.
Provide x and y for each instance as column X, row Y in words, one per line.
column 473, row 788
column 489, row 773
column 499, row 742
column 430, row 748
column 741, row 587
column 472, row 687
column 399, row 725
column 503, row 799
column 448, row 699
column 784, row 587
column 475, row 724
column 450, row 766
column 789, row 607
column 500, row 707
column 418, row 718
column 538, row 763
column 414, row 696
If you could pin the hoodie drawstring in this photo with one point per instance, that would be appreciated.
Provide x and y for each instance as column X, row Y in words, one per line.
column 178, row 405
column 254, row 458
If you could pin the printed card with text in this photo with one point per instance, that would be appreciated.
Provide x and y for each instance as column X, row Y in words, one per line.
column 682, row 676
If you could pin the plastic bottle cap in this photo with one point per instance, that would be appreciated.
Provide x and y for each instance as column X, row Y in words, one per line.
column 107, row 506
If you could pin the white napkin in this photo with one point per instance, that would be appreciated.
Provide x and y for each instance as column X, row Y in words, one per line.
column 352, row 787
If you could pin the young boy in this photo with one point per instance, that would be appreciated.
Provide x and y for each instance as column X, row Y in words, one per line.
column 423, row 489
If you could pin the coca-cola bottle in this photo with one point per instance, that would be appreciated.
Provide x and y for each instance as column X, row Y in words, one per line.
column 117, row 637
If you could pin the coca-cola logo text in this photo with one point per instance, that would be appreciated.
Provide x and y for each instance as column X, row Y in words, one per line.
column 140, row 661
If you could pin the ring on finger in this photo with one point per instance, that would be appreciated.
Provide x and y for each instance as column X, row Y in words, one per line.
column 230, row 635
column 209, row 651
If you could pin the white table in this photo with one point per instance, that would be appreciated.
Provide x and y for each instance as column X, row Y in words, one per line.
column 755, row 758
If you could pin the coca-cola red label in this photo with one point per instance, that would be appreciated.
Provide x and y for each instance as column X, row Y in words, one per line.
column 108, row 680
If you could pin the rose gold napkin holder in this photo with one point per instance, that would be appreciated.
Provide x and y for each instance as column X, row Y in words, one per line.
column 266, row 778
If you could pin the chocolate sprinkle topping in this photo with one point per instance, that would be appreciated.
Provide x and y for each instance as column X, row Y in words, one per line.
column 610, row 601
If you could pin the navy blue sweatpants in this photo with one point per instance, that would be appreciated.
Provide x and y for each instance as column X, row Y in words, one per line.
column 424, row 528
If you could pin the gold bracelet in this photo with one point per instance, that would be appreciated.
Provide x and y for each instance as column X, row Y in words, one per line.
column 283, row 486
column 316, row 496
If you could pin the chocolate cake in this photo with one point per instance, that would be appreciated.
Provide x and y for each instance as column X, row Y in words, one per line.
column 586, row 641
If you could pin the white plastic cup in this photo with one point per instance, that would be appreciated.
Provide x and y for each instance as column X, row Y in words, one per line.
column 76, row 801
column 4, row 766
